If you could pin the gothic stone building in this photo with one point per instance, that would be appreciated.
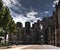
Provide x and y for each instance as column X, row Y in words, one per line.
column 52, row 26
column 56, row 21
column 34, row 35
column 28, row 34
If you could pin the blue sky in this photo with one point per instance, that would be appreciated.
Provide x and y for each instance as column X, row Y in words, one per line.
column 40, row 6
column 30, row 10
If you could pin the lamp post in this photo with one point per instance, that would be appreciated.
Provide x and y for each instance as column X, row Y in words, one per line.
column 42, row 39
column 41, row 27
column 18, row 35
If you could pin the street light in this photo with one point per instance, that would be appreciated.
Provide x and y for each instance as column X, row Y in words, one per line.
column 42, row 39
column 41, row 27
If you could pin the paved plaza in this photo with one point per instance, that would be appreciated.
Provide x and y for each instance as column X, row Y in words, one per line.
column 22, row 47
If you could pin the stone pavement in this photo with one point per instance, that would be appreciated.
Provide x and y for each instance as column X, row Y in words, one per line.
column 19, row 47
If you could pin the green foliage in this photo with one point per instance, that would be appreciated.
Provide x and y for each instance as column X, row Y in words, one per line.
column 12, row 27
column 1, row 4
column 4, row 45
column 6, row 21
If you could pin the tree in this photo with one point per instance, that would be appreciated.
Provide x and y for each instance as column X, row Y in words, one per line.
column 12, row 27
column 6, row 21
column 1, row 11
column 1, row 4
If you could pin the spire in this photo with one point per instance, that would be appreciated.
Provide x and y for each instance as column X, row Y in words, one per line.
column 59, row 2
column 56, row 5
column 53, row 12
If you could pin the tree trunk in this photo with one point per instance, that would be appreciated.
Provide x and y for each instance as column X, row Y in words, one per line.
column 5, row 37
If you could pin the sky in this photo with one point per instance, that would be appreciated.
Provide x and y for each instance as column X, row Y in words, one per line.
column 30, row 10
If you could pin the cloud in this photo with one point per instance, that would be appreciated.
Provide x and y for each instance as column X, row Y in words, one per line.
column 53, row 5
column 17, row 12
column 46, row 12
column 55, row 2
column 30, row 17
column 31, row 14
column 10, row 3
column 20, row 18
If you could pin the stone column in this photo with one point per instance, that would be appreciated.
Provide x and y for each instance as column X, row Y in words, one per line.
column 56, row 37
column 49, row 36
